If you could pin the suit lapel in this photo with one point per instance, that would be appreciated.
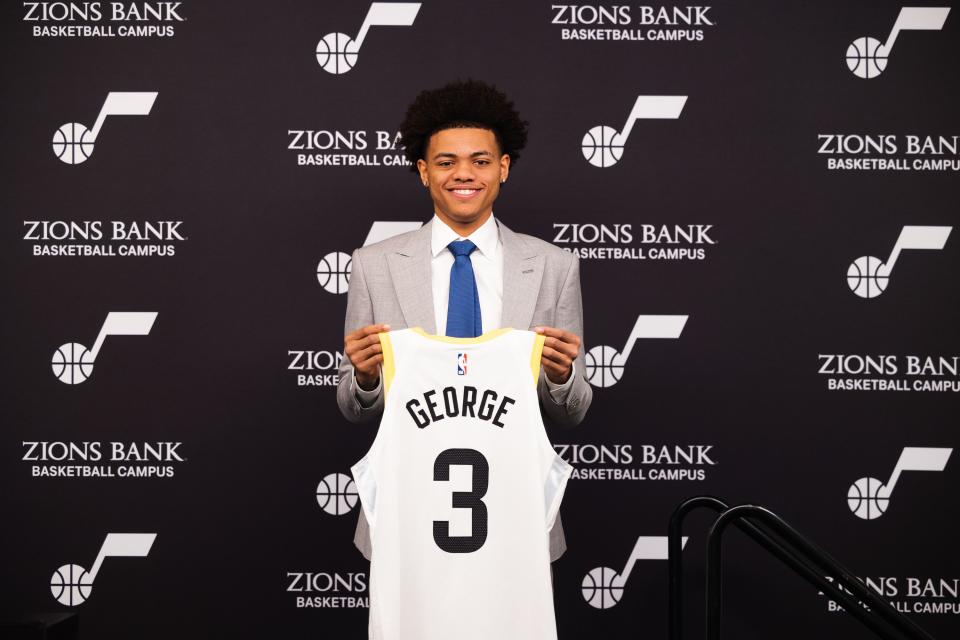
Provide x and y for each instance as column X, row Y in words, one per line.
column 413, row 281
column 522, row 274
column 410, row 271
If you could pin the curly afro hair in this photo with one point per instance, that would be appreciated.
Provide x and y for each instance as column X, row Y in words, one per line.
column 468, row 103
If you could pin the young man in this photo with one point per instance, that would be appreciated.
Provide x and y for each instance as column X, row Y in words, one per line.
column 463, row 139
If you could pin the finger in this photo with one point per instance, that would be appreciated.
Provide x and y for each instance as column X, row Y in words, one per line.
column 370, row 366
column 365, row 331
column 554, row 332
column 561, row 335
column 554, row 371
column 568, row 348
column 552, row 355
column 359, row 344
column 373, row 338
column 364, row 354
column 551, row 365
column 548, row 331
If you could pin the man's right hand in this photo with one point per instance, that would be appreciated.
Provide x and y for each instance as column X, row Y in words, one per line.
column 363, row 348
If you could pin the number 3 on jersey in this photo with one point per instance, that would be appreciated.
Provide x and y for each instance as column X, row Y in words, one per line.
column 472, row 500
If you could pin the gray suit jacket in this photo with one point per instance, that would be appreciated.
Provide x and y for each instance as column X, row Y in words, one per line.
column 391, row 283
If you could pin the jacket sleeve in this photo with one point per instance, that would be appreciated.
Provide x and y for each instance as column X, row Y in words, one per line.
column 569, row 410
column 359, row 314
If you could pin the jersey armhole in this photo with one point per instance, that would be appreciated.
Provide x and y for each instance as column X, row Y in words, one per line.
column 389, row 364
column 554, row 487
column 366, row 484
column 536, row 355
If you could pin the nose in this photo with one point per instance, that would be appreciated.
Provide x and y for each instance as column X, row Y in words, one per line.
column 464, row 171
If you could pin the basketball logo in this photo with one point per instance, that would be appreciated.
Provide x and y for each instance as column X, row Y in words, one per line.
column 72, row 143
column 604, row 366
column 602, row 588
column 337, row 53
column 337, row 494
column 866, row 57
column 71, row 585
column 868, row 276
column 868, row 498
column 333, row 272
column 72, row 363
column 864, row 277
column 864, row 499
column 602, row 146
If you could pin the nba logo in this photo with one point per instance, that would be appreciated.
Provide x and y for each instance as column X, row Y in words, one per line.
column 461, row 364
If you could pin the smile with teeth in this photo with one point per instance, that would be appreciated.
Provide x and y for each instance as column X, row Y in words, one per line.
column 465, row 194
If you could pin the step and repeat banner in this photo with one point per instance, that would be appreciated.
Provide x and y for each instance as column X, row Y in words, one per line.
column 762, row 196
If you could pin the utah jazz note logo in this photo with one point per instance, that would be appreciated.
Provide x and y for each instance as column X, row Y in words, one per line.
column 602, row 146
column 73, row 142
column 603, row 587
column 605, row 364
column 868, row 498
column 867, row 57
column 461, row 364
column 72, row 363
column 337, row 52
column 71, row 584
column 868, row 276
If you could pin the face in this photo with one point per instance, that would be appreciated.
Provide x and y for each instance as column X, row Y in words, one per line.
column 463, row 169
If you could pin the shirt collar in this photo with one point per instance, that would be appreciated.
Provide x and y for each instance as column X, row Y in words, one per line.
column 485, row 236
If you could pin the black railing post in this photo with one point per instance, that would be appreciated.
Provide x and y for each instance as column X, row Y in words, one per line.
column 675, row 559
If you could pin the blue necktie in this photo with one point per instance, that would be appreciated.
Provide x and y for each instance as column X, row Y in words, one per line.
column 463, row 309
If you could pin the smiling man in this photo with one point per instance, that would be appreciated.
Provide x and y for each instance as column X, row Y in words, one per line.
column 462, row 140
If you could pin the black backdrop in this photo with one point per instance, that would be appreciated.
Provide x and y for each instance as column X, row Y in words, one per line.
column 242, row 544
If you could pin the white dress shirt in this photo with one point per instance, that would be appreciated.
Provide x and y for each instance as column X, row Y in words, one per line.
column 487, row 262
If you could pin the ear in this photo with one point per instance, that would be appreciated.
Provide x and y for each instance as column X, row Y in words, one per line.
column 422, row 168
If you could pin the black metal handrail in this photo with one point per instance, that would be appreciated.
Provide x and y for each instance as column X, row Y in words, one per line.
column 785, row 543
column 675, row 556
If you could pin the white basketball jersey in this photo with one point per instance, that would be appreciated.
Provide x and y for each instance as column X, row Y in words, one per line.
column 461, row 487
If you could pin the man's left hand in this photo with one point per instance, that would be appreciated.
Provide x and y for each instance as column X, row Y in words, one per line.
column 560, row 348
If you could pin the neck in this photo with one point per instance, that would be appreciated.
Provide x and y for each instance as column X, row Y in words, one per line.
column 464, row 229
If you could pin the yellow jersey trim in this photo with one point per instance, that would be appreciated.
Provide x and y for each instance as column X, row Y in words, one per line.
column 489, row 335
column 389, row 365
column 536, row 355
